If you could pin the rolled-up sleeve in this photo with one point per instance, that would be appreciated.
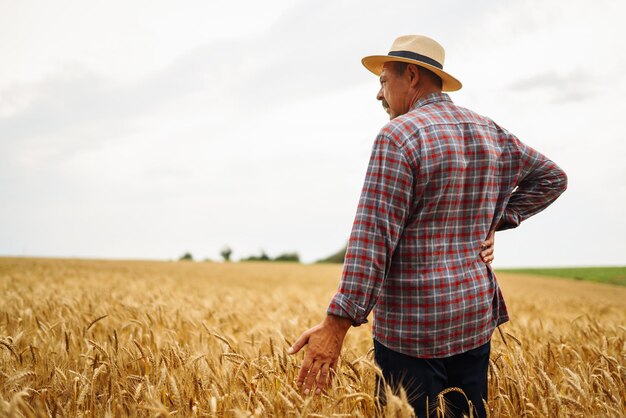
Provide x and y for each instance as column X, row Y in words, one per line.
column 383, row 209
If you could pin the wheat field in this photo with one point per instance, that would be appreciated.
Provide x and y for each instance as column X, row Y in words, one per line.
column 81, row 338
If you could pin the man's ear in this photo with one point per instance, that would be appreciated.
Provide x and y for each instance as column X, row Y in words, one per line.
column 414, row 74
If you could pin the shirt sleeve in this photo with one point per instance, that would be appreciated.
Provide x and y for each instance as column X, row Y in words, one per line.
column 383, row 209
column 541, row 182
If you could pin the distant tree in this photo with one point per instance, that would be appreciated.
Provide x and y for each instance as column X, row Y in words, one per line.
column 291, row 257
column 262, row 257
column 226, row 253
column 186, row 257
column 337, row 257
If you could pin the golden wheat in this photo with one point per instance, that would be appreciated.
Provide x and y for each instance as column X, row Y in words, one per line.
column 85, row 338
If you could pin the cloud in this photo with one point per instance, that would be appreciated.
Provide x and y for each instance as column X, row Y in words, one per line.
column 263, row 139
column 313, row 49
column 575, row 86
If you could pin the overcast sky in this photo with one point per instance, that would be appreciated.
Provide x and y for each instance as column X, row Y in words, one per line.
column 145, row 129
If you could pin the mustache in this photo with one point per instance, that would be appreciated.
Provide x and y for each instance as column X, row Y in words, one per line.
column 385, row 104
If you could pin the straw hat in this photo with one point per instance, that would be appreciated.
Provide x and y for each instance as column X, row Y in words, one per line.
column 418, row 50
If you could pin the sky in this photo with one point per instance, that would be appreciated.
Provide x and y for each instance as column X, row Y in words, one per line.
column 147, row 129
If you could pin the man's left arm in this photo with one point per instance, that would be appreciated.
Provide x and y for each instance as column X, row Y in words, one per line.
column 541, row 184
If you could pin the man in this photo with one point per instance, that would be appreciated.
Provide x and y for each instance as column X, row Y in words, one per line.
column 441, row 179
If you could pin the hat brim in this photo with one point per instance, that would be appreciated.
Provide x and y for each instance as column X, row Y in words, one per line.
column 374, row 63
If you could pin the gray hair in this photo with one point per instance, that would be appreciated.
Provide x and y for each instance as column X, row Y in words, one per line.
column 400, row 67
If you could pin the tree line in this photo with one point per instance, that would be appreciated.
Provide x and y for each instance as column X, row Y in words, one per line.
column 226, row 254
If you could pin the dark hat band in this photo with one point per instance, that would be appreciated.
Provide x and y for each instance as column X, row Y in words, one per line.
column 416, row 57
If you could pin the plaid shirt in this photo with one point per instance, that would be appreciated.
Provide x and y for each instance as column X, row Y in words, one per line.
column 439, row 179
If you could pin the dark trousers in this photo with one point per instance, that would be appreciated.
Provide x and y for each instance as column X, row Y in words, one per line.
column 424, row 379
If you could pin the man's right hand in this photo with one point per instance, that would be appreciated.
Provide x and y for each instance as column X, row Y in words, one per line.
column 325, row 341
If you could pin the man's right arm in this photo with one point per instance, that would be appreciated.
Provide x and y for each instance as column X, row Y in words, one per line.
column 383, row 209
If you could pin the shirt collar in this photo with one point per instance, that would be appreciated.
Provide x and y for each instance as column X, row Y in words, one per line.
column 431, row 98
